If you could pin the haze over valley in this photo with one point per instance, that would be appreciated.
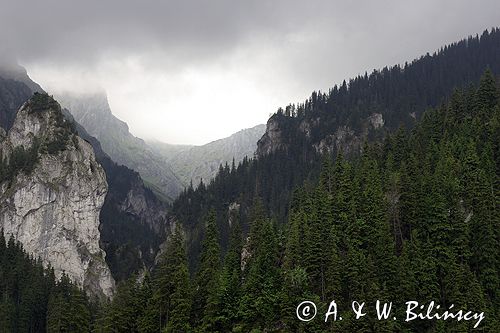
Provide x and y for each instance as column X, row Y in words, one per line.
column 248, row 166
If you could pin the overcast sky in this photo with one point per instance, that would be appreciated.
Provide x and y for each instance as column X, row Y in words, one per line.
column 194, row 71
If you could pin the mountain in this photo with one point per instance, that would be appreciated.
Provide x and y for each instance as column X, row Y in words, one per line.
column 297, row 137
column 368, row 105
column 194, row 163
column 133, row 220
column 52, row 192
column 92, row 111
column 167, row 169
column 383, row 189
column 413, row 216
column 9, row 69
column 15, row 89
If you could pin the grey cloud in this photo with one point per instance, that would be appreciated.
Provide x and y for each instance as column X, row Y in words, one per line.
column 284, row 47
column 83, row 30
column 86, row 31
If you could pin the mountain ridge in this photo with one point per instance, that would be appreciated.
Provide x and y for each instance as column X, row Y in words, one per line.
column 132, row 219
column 195, row 163
column 386, row 99
column 297, row 137
column 92, row 111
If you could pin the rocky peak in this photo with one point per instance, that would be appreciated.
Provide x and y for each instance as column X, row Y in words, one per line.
column 39, row 118
column 51, row 194
column 93, row 112
column 273, row 139
column 11, row 70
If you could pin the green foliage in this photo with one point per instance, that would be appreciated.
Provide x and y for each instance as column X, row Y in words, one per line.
column 158, row 304
column 261, row 277
column 413, row 218
column 208, row 279
column 222, row 308
column 68, row 309
column 31, row 300
column 171, row 297
column 40, row 102
column 20, row 160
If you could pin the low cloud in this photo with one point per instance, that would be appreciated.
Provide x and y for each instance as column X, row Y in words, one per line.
column 194, row 71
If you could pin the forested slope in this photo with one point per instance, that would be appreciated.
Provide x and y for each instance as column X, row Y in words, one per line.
column 31, row 300
column 365, row 109
column 413, row 218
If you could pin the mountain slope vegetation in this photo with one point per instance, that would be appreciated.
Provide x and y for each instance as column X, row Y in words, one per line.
column 133, row 219
column 413, row 217
column 367, row 108
column 195, row 163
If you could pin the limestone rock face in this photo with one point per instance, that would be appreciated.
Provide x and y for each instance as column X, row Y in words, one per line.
column 53, row 209
column 376, row 120
column 92, row 111
column 283, row 132
column 139, row 202
column 272, row 140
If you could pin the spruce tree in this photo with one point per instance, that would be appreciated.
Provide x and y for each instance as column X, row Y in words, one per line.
column 260, row 290
column 230, row 282
column 205, row 301
column 170, row 305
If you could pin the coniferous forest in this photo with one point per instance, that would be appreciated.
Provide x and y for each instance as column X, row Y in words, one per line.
column 33, row 300
column 401, row 94
column 412, row 215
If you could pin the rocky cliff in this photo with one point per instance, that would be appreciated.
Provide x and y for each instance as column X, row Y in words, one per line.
column 51, row 193
column 365, row 107
column 92, row 111
column 132, row 217
column 341, row 137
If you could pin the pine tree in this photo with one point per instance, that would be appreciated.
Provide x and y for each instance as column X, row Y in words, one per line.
column 123, row 312
column 68, row 309
column 379, row 240
column 487, row 93
column 260, row 290
column 230, row 285
column 170, row 305
column 205, row 302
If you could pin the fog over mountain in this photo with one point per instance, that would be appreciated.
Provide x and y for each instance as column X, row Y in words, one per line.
column 210, row 61
column 93, row 113
column 140, row 190
column 166, row 168
column 197, row 163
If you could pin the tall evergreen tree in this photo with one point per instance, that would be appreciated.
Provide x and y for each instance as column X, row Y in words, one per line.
column 230, row 283
column 261, row 284
column 205, row 302
column 169, row 308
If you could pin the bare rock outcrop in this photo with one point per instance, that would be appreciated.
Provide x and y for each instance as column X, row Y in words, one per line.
column 51, row 195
